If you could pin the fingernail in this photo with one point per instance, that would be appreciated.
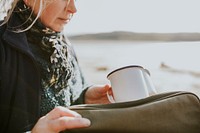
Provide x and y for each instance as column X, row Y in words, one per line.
column 87, row 122
column 78, row 116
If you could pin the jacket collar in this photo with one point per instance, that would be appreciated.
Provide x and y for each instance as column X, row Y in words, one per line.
column 17, row 40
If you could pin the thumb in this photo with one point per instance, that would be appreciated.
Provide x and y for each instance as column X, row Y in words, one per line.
column 105, row 88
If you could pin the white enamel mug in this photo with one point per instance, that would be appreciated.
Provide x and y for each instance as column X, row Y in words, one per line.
column 130, row 83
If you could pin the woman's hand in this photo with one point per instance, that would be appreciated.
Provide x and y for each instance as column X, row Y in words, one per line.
column 97, row 94
column 60, row 119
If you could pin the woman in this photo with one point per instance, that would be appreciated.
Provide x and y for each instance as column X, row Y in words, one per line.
column 39, row 72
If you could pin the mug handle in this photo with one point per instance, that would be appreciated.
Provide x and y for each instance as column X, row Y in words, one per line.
column 110, row 97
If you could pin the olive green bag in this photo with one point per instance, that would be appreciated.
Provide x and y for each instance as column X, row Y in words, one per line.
column 173, row 112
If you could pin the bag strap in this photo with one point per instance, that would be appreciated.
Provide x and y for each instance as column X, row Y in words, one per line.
column 147, row 100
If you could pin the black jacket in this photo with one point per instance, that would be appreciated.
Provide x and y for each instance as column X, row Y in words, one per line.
column 20, row 82
column 20, row 86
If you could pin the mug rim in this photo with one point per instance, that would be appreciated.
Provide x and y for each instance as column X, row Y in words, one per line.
column 118, row 69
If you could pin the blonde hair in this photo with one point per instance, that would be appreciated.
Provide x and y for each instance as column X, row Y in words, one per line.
column 9, row 5
column 8, row 8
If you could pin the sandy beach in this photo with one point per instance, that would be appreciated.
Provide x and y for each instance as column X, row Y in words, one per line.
column 173, row 66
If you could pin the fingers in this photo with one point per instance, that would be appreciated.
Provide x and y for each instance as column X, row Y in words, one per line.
column 62, row 111
column 60, row 119
column 104, row 88
column 64, row 123
column 110, row 92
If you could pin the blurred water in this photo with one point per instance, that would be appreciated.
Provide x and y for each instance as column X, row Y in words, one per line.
column 182, row 55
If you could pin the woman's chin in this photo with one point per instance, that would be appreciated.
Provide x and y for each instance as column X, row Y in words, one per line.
column 57, row 28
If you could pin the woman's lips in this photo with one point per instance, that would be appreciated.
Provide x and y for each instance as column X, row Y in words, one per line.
column 63, row 20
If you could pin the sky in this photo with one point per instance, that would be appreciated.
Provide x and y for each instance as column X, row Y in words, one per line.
column 161, row 16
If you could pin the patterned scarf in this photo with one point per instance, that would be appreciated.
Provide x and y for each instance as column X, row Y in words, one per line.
column 62, row 80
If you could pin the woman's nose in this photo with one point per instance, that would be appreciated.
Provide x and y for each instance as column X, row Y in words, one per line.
column 71, row 7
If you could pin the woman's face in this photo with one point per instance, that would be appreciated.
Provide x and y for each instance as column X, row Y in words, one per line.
column 56, row 13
